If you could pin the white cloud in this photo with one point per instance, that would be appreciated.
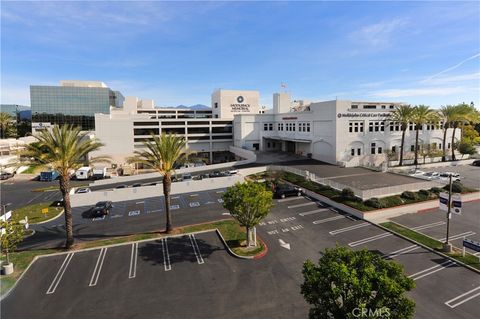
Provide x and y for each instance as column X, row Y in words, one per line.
column 379, row 34
column 452, row 67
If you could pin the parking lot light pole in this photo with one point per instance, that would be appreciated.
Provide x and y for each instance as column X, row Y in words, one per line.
column 447, row 247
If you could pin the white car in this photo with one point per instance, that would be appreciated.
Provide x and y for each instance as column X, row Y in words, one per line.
column 82, row 190
column 446, row 176
column 431, row 175
column 417, row 173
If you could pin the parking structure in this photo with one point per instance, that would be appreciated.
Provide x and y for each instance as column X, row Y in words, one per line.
column 188, row 277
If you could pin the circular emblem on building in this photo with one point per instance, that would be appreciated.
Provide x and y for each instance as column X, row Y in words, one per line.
column 240, row 99
column 339, row 115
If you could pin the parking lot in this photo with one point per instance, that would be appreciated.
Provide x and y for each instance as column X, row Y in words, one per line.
column 464, row 225
column 190, row 277
column 469, row 175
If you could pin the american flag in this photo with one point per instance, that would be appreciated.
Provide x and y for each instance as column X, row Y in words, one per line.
column 283, row 85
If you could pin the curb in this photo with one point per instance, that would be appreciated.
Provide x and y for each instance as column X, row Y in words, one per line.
column 230, row 251
column 49, row 220
column 264, row 252
column 428, row 248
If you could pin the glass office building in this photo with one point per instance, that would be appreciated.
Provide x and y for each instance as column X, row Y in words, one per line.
column 74, row 102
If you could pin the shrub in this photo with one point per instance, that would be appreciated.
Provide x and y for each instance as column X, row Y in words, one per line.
column 409, row 195
column 348, row 193
column 374, row 202
column 423, row 193
column 436, row 190
column 457, row 187
column 392, row 201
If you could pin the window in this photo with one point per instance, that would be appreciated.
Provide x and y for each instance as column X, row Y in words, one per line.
column 172, row 123
column 410, row 126
column 270, row 126
column 384, row 106
column 216, row 105
column 412, row 148
column 145, row 131
column 221, row 129
column 394, row 149
column 391, row 107
column 394, row 126
column 439, row 146
column 359, row 151
column 278, row 127
column 293, row 127
column 222, row 137
column 354, row 107
column 370, row 107
column 200, row 130
column 370, row 127
column 380, row 150
column 265, row 126
column 145, row 123
column 268, row 144
column 372, row 148
column 172, row 130
column 352, row 152
column 308, row 127
column 449, row 144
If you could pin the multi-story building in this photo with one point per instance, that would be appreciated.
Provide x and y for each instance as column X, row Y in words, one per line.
column 341, row 132
column 73, row 102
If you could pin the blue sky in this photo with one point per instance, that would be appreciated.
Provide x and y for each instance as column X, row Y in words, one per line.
column 179, row 52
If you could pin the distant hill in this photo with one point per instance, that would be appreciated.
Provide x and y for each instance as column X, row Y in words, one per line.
column 194, row 107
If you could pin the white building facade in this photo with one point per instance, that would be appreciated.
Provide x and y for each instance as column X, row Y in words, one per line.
column 343, row 132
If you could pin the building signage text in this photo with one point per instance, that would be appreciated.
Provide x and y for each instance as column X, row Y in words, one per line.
column 240, row 106
column 339, row 115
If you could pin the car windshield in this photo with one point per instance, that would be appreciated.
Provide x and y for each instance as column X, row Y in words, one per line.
column 101, row 204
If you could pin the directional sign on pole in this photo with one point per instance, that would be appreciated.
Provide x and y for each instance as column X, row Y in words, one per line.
column 474, row 245
column 457, row 204
column 443, row 198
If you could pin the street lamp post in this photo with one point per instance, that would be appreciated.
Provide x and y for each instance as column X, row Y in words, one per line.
column 447, row 247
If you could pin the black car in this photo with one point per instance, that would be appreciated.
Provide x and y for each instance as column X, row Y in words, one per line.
column 121, row 186
column 101, row 208
column 476, row 163
column 283, row 191
column 215, row 174
column 137, row 185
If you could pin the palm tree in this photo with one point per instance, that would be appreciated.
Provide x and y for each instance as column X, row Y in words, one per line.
column 5, row 122
column 402, row 115
column 447, row 113
column 64, row 149
column 421, row 114
column 463, row 113
column 161, row 153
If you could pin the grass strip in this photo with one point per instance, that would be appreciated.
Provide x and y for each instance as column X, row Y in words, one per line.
column 34, row 212
column 469, row 259
column 231, row 231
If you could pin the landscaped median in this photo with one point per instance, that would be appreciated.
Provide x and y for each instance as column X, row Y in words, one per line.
column 38, row 213
column 469, row 259
column 233, row 234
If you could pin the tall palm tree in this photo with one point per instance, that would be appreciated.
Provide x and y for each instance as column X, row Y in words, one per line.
column 161, row 153
column 5, row 122
column 421, row 114
column 402, row 115
column 447, row 114
column 64, row 149
column 463, row 113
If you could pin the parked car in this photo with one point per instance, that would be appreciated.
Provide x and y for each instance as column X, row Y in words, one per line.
column 136, row 185
column 446, row 176
column 202, row 176
column 5, row 175
column 431, row 175
column 283, row 191
column 101, row 209
column 186, row 177
column 82, row 190
column 121, row 186
column 99, row 172
column 476, row 163
column 416, row 173
column 215, row 174
column 197, row 177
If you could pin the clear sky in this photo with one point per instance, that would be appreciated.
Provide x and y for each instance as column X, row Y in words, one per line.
column 179, row 52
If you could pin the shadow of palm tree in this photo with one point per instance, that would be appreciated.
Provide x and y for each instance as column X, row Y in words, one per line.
column 180, row 249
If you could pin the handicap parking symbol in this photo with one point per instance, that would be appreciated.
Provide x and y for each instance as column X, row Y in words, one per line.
column 174, row 207
column 194, row 204
column 220, row 200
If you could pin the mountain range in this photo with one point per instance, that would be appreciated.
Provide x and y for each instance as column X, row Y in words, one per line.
column 192, row 107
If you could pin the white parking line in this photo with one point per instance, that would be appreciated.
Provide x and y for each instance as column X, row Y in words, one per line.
column 141, row 202
column 313, row 211
column 166, row 256
column 342, row 230
column 196, row 250
column 369, row 239
column 401, row 251
column 289, row 199
column 193, row 195
column 458, row 236
column 98, row 267
column 133, row 261
column 301, row 205
column 321, row 221
column 59, row 275
column 154, row 211
column 455, row 304
column 432, row 270
column 428, row 226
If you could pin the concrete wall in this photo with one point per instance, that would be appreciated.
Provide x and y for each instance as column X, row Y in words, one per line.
column 231, row 102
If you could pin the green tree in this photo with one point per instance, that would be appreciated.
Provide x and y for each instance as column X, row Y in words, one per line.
column 7, row 129
column 403, row 115
column 161, row 154
column 469, row 133
column 422, row 114
column 466, row 147
column 248, row 203
column 12, row 232
column 345, row 281
column 64, row 149
column 464, row 114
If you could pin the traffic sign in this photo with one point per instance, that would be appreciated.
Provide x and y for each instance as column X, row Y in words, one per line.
column 474, row 245
column 45, row 210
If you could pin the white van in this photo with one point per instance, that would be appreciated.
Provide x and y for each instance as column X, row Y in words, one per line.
column 99, row 172
column 83, row 173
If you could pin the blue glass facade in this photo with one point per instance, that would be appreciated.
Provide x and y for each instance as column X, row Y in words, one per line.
column 71, row 105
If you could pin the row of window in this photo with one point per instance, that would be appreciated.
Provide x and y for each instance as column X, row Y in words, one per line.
column 181, row 130
column 289, row 127
column 181, row 123
column 373, row 107
column 191, row 138
column 379, row 126
column 374, row 149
